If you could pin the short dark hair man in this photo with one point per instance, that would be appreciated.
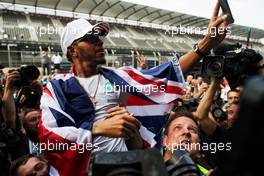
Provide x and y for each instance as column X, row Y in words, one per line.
column 29, row 165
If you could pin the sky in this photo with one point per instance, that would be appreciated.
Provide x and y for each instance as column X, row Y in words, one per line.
column 245, row 12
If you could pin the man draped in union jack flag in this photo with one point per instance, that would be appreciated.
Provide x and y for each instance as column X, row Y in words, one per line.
column 99, row 109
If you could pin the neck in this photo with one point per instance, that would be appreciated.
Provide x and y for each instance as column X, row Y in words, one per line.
column 85, row 70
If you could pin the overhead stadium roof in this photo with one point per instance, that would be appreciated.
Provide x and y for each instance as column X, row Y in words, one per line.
column 129, row 11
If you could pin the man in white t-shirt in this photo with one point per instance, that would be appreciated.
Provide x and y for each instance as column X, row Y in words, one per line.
column 56, row 59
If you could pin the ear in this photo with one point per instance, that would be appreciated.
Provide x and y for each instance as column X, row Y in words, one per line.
column 165, row 140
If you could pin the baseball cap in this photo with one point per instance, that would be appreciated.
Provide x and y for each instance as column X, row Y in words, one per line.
column 78, row 28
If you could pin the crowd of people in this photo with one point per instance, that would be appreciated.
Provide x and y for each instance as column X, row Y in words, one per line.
column 81, row 108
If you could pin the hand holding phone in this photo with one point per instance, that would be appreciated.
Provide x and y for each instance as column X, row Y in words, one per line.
column 226, row 10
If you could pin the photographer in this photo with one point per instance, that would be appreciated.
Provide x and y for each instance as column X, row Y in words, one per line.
column 9, row 136
column 232, row 113
column 182, row 129
column 232, row 97
column 13, row 108
column 182, row 133
column 198, row 95
column 8, row 106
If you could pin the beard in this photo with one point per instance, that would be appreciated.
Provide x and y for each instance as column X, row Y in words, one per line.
column 97, row 57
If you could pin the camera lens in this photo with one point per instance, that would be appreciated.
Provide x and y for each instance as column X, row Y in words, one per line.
column 213, row 66
column 217, row 113
column 30, row 72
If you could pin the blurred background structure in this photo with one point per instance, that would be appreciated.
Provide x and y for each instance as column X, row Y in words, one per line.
column 29, row 26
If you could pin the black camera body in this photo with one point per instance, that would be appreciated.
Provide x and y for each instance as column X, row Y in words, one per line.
column 147, row 162
column 29, row 93
column 219, row 114
column 28, row 73
column 181, row 164
column 232, row 62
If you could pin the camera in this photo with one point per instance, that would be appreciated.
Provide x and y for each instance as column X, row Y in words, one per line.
column 29, row 96
column 232, row 62
column 181, row 164
column 219, row 114
column 147, row 162
column 29, row 92
column 28, row 73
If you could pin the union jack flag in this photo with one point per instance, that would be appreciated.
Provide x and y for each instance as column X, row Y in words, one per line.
column 68, row 113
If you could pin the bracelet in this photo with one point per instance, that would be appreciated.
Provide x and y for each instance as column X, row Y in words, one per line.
column 198, row 51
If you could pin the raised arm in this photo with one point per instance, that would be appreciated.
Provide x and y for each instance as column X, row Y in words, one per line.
column 207, row 125
column 216, row 33
column 8, row 106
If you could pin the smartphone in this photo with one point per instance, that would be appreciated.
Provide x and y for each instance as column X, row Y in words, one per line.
column 226, row 10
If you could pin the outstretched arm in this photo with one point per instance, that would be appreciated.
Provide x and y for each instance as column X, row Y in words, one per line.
column 216, row 33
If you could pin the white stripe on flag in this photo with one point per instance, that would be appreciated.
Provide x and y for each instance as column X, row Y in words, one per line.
column 159, row 96
column 150, row 110
column 53, row 171
column 147, row 135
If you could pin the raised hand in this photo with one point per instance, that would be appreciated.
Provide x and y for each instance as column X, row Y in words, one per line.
column 142, row 61
column 217, row 30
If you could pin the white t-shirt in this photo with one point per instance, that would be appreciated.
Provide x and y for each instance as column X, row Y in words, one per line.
column 105, row 98
column 56, row 59
column 224, row 92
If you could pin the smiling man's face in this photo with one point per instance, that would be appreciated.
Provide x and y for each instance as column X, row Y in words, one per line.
column 182, row 131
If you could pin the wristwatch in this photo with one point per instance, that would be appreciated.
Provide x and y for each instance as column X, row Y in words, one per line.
column 198, row 51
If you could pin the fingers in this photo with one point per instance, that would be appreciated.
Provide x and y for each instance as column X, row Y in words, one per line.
column 120, row 112
column 13, row 75
column 141, row 58
column 128, row 133
column 11, row 70
column 116, row 108
column 131, row 127
column 219, row 20
column 216, row 11
column 123, row 114
column 126, row 125
column 133, row 120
